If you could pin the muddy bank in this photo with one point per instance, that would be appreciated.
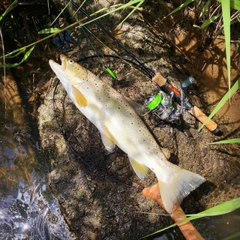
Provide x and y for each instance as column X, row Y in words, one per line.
column 99, row 194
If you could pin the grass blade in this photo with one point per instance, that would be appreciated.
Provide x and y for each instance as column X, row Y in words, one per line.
column 8, row 10
column 225, row 98
column 220, row 209
column 26, row 55
column 234, row 140
column 50, row 30
column 226, row 25
column 134, row 9
column 205, row 7
column 180, row 7
column 110, row 11
column 233, row 236
column 235, row 4
column 209, row 21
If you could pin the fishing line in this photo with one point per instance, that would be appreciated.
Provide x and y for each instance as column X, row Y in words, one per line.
column 100, row 56
column 150, row 73
column 140, row 68
column 136, row 65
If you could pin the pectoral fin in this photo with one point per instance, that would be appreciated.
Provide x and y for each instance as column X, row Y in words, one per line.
column 79, row 97
column 140, row 169
column 108, row 140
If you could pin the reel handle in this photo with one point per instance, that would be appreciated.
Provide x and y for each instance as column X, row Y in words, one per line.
column 210, row 125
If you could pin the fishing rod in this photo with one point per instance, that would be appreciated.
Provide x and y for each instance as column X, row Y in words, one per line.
column 136, row 66
column 162, row 104
column 148, row 70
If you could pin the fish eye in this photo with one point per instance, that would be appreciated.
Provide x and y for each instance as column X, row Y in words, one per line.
column 71, row 61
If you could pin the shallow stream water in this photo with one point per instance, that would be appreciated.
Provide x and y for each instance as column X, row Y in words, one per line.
column 28, row 209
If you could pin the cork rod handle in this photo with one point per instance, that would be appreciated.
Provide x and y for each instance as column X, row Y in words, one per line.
column 197, row 113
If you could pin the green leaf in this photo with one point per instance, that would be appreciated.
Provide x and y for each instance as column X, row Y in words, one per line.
column 205, row 7
column 112, row 9
column 225, row 98
column 233, row 236
column 235, row 4
column 15, row 53
column 220, row 209
column 180, row 7
column 26, row 55
column 50, row 30
column 8, row 10
column 209, row 21
column 134, row 9
column 226, row 26
column 234, row 140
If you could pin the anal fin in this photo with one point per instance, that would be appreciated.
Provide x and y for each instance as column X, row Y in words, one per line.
column 140, row 169
column 107, row 139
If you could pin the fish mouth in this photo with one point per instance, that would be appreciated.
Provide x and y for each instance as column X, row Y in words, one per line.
column 64, row 62
column 59, row 67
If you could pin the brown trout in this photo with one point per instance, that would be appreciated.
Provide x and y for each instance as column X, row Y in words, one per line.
column 120, row 125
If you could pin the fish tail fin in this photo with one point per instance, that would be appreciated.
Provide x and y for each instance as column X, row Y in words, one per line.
column 175, row 189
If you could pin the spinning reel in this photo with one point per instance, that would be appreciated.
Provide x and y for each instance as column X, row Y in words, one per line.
column 169, row 104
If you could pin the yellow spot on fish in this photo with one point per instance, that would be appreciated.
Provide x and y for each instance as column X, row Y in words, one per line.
column 79, row 97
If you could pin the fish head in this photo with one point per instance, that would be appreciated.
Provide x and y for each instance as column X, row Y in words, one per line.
column 69, row 72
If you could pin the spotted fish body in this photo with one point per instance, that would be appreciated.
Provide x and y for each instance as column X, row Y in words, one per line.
column 120, row 125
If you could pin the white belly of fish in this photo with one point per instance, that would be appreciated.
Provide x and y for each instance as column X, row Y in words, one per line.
column 111, row 113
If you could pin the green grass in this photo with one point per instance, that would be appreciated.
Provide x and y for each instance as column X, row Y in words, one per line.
column 8, row 10
column 231, row 141
column 224, row 99
column 220, row 209
column 54, row 31
column 210, row 17
column 225, row 5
